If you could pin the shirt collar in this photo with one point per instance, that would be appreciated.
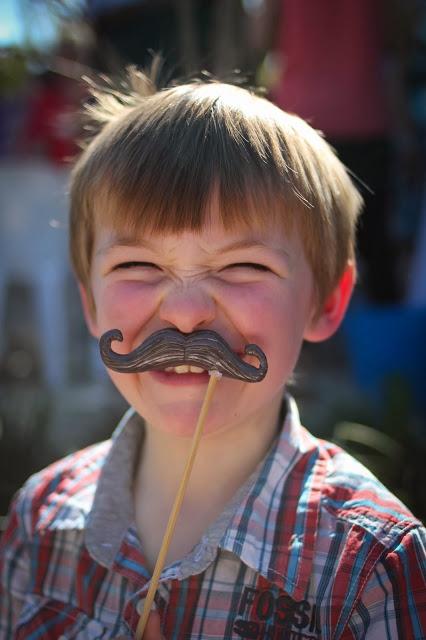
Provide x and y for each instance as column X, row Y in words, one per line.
column 271, row 524
column 274, row 529
column 112, row 510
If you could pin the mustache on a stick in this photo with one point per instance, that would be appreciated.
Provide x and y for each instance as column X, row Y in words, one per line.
column 170, row 348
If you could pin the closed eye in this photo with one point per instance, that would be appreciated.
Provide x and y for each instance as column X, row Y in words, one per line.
column 135, row 264
column 248, row 265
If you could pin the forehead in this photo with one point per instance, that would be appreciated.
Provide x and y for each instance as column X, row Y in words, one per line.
column 252, row 221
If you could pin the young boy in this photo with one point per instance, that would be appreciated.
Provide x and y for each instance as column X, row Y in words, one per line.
column 203, row 206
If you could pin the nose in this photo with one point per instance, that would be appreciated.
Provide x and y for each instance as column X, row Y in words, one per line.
column 187, row 308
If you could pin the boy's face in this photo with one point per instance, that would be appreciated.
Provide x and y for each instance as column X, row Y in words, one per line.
column 249, row 285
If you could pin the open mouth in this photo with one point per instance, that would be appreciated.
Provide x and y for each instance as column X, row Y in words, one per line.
column 184, row 368
column 182, row 374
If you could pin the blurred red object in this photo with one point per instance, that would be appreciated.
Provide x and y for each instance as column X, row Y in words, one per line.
column 51, row 127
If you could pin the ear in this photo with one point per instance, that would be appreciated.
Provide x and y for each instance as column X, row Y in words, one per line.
column 328, row 320
column 88, row 310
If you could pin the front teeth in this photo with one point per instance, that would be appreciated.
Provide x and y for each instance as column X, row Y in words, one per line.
column 185, row 368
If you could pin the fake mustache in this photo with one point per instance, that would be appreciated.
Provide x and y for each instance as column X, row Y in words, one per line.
column 170, row 348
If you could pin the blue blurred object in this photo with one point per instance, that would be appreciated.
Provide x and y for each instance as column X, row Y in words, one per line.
column 387, row 344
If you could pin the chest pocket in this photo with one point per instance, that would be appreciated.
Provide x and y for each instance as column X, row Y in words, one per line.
column 47, row 619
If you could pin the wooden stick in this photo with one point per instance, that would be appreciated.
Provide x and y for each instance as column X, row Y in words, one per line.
column 214, row 378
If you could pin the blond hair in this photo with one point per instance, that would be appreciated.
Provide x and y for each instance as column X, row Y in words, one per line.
column 158, row 156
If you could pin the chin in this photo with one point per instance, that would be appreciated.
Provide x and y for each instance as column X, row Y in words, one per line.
column 181, row 422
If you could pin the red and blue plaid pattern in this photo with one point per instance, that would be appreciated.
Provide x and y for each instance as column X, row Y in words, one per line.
column 312, row 547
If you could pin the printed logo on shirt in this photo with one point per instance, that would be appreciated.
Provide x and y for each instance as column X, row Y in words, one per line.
column 264, row 614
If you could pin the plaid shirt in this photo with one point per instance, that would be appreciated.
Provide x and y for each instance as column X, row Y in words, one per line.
column 313, row 546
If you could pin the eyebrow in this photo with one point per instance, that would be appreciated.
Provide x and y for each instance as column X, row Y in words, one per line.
column 241, row 244
column 132, row 241
column 123, row 241
column 250, row 244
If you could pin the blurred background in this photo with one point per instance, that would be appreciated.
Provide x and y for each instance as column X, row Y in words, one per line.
column 356, row 69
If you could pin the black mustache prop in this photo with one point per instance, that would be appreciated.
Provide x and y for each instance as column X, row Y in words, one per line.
column 170, row 348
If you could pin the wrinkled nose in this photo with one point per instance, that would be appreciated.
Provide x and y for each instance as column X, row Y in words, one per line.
column 188, row 308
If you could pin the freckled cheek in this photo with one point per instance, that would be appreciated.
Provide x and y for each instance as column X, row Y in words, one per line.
column 126, row 306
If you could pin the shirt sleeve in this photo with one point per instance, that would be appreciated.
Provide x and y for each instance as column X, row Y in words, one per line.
column 393, row 602
column 14, row 570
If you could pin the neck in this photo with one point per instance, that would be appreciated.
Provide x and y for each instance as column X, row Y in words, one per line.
column 223, row 462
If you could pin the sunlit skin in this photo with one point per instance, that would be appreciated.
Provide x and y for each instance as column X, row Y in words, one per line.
column 248, row 285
